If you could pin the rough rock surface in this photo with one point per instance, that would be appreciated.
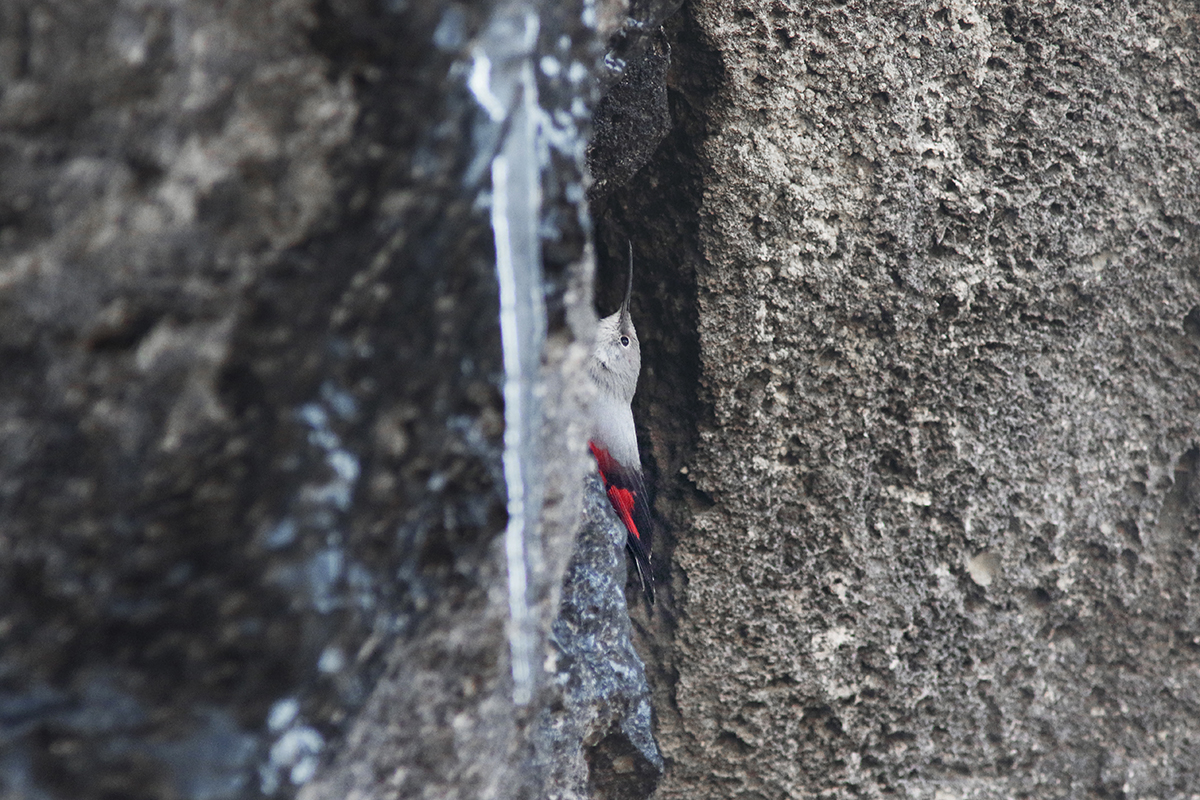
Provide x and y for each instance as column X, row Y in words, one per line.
column 920, row 316
column 593, row 738
column 935, row 522
column 631, row 120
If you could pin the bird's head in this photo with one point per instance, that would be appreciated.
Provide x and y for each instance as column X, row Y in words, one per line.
column 617, row 358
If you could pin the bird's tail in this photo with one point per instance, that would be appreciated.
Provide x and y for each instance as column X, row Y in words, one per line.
column 641, row 560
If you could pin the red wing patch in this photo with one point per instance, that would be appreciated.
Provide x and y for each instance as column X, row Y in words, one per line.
column 627, row 494
column 622, row 501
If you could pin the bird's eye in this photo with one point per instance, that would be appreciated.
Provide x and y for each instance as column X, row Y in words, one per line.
column 624, row 341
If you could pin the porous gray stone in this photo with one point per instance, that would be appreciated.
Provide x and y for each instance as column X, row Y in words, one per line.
column 924, row 285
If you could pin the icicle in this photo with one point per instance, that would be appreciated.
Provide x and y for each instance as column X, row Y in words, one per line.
column 502, row 80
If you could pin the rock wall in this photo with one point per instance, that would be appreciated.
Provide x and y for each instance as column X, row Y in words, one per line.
column 252, row 491
column 918, row 298
column 934, row 521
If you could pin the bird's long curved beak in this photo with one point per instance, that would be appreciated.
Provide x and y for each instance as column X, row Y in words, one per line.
column 626, row 322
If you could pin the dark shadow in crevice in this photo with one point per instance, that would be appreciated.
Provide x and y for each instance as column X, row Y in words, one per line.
column 658, row 211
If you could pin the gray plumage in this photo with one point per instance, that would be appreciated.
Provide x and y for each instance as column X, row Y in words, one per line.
column 614, row 367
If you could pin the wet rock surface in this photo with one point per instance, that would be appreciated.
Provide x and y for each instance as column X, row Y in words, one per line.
column 631, row 120
column 594, row 739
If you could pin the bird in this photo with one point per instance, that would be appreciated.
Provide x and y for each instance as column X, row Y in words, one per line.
column 614, row 366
